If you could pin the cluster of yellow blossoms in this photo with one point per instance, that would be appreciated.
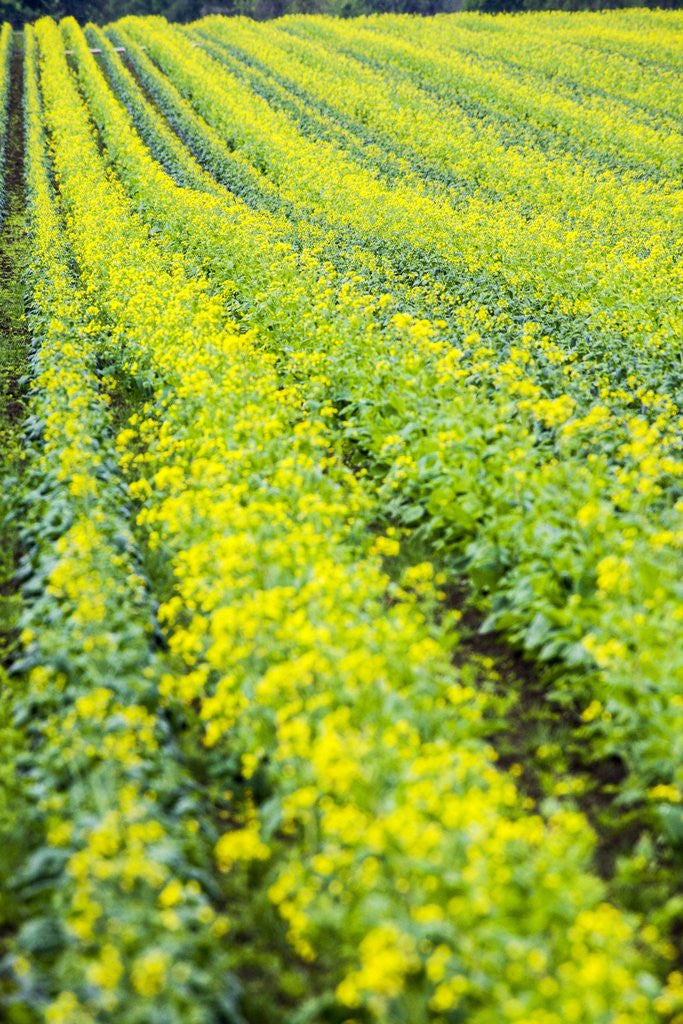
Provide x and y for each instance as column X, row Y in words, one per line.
column 303, row 304
column 573, row 457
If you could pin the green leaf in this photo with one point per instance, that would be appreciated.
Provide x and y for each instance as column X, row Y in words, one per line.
column 42, row 935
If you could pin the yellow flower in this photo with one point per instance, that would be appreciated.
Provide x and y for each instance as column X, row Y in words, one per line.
column 148, row 973
column 107, row 971
column 172, row 894
column 388, row 546
column 240, row 845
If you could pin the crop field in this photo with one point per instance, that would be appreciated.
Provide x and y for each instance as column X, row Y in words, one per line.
column 341, row 575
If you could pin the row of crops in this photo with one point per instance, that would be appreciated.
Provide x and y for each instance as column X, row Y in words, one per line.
column 342, row 593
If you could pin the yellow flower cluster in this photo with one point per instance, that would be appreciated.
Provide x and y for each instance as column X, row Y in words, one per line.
column 126, row 921
column 427, row 335
column 583, row 269
column 278, row 624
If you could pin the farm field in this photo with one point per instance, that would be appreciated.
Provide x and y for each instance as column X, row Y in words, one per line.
column 341, row 584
